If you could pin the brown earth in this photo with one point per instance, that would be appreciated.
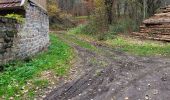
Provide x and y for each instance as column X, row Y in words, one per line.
column 114, row 75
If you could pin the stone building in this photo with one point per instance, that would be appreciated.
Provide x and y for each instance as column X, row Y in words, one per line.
column 23, row 39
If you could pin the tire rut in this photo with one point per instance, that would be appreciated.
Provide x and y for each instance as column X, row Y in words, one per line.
column 110, row 82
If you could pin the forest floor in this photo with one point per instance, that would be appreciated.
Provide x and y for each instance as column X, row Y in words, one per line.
column 104, row 73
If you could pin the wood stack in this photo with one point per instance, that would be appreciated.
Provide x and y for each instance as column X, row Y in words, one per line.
column 157, row 27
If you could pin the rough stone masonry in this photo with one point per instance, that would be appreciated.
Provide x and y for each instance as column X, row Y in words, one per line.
column 21, row 40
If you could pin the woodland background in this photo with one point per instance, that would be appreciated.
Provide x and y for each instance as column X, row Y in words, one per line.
column 102, row 16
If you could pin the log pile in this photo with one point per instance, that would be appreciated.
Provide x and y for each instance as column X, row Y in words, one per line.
column 157, row 27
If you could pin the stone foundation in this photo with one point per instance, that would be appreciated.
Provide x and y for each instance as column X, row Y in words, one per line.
column 8, row 31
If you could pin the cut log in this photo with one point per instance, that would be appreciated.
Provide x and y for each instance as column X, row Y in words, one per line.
column 156, row 27
column 157, row 21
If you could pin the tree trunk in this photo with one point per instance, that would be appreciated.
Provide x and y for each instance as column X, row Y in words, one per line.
column 144, row 8
column 109, row 13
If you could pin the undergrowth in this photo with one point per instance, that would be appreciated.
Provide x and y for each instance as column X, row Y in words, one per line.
column 142, row 48
column 127, row 44
column 94, row 29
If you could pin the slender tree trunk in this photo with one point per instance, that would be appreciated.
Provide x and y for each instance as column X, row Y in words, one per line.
column 125, row 8
column 144, row 8
column 118, row 10
column 109, row 13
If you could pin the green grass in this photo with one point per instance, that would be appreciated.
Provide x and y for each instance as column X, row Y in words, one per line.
column 16, row 75
column 41, row 83
column 127, row 44
column 79, row 42
column 81, row 17
column 142, row 48
column 84, row 44
column 76, row 30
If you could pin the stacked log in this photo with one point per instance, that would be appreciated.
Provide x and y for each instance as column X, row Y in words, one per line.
column 157, row 27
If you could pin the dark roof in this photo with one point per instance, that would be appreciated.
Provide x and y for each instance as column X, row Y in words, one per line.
column 13, row 4
column 10, row 3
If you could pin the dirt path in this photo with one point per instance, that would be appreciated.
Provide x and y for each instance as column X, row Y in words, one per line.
column 113, row 75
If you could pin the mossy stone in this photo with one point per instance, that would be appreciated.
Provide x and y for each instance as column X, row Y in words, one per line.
column 2, row 34
column 7, row 39
column 11, row 33
column 7, row 45
column 2, row 51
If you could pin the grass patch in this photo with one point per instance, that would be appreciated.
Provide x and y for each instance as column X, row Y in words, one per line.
column 41, row 83
column 76, row 30
column 85, row 44
column 82, row 17
column 142, row 48
column 79, row 42
column 135, row 46
column 127, row 44
column 16, row 75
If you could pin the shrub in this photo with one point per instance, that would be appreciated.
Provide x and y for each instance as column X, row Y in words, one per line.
column 77, row 30
column 124, row 25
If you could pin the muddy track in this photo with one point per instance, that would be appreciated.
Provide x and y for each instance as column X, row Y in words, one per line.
column 113, row 75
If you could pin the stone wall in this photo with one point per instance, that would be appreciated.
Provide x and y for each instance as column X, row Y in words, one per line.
column 8, row 32
column 33, row 35
column 20, row 40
